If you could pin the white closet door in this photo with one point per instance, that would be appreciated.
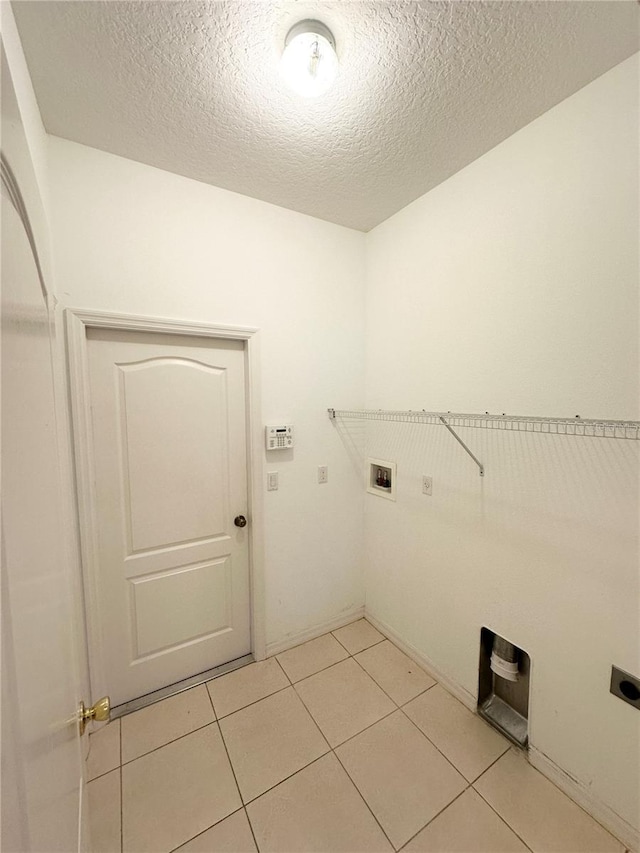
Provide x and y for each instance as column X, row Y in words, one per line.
column 41, row 776
column 168, row 418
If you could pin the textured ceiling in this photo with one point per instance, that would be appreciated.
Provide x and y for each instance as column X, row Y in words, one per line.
column 424, row 88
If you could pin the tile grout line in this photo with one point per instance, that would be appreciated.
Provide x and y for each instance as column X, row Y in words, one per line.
column 243, row 807
column 251, row 829
column 468, row 784
column 318, row 671
column 328, row 666
column 362, row 797
column 413, row 723
column 200, row 728
column 575, row 803
column 314, row 719
column 435, row 746
column 495, row 811
column 386, row 693
column 486, row 769
column 509, row 747
column 255, row 702
column 204, row 726
column 282, row 669
column 286, row 778
column 322, row 735
column 173, row 740
column 119, row 764
column 591, row 817
column 437, row 815
column 332, row 750
column 211, row 702
column 353, row 654
column 193, row 837
column 342, row 644
column 398, row 708
column 504, row 820
column 342, row 743
column 235, row 778
column 216, row 720
column 121, row 811
column 106, row 773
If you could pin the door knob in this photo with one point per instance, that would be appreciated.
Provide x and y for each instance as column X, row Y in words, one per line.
column 99, row 712
column 240, row 521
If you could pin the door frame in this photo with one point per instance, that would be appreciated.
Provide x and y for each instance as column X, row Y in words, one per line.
column 78, row 322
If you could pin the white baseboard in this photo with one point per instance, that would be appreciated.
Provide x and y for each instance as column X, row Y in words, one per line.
column 578, row 792
column 316, row 631
column 611, row 821
column 467, row 699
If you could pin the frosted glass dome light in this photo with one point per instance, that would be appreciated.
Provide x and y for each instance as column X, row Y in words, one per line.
column 309, row 62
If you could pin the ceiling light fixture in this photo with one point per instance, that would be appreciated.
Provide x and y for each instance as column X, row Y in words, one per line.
column 309, row 62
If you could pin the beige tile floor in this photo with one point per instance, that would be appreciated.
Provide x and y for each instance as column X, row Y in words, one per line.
column 340, row 744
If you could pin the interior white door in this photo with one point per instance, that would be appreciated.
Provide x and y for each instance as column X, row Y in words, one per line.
column 41, row 759
column 169, row 449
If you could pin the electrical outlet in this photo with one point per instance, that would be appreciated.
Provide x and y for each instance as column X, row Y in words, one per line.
column 272, row 481
column 323, row 473
column 625, row 686
column 427, row 485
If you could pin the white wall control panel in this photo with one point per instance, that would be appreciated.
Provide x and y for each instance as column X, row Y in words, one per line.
column 278, row 437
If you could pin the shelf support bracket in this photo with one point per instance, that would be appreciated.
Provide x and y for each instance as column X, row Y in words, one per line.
column 460, row 441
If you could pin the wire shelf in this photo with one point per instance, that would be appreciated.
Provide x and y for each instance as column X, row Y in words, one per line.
column 552, row 426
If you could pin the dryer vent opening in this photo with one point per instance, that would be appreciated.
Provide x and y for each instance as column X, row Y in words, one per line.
column 503, row 686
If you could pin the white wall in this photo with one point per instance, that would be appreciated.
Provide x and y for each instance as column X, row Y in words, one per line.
column 513, row 287
column 132, row 238
column 24, row 135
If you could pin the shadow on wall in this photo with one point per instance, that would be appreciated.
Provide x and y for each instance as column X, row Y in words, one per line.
column 353, row 434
